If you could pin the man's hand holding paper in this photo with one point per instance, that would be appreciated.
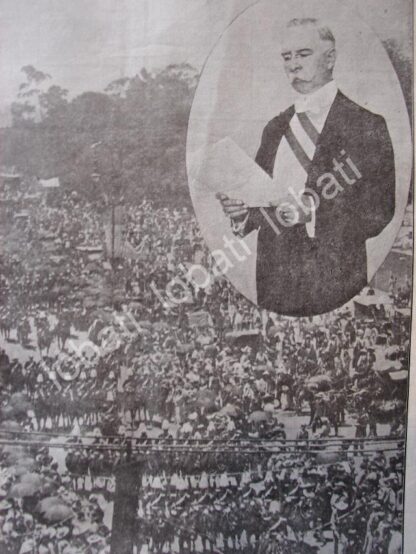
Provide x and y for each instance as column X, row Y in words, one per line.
column 288, row 211
column 236, row 210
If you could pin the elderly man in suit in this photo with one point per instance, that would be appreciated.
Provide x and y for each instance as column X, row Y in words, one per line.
column 332, row 162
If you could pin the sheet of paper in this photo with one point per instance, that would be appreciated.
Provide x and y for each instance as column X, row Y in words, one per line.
column 224, row 167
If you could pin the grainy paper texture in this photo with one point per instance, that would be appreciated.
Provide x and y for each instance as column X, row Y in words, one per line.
column 206, row 220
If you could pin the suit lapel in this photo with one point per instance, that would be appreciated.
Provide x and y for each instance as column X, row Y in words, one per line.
column 328, row 142
column 284, row 120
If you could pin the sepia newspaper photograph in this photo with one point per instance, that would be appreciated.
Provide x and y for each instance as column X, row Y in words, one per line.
column 206, row 277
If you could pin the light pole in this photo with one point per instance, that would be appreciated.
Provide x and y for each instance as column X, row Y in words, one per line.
column 112, row 201
column 128, row 477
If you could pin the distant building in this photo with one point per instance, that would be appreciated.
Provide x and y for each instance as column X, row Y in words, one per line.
column 10, row 180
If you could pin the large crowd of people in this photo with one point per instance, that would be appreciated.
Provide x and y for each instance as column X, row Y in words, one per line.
column 291, row 501
column 39, row 510
column 278, row 435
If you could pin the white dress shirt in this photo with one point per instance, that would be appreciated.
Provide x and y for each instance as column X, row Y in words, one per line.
column 288, row 174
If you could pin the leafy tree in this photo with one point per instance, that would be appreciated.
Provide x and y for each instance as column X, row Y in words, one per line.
column 139, row 123
column 27, row 108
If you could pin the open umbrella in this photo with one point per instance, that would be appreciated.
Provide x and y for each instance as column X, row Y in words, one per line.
column 321, row 382
column 135, row 305
column 20, row 490
column 160, row 325
column 10, row 425
column 13, row 453
column 29, row 484
column 19, row 400
column 54, row 509
column 18, row 405
column 145, row 332
column 23, row 465
column 206, row 399
column 273, row 331
column 146, row 324
column 230, row 410
column 58, row 512
column 258, row 416
column 203, row 340
column 262, row 368
column 32, row 478
column 325, row 458
column 184, row 348
column 90, row 303
column 27, row 462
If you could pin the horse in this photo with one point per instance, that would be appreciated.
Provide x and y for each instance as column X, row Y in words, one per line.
column 45, row 339
column 285, row 383
column 5, row 326
column 62, row 332
column 133, row 402
column 23, row 332
column 304, row 394
column 41, row 409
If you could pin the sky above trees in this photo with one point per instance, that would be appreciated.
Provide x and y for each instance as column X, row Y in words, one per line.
column 85, row 44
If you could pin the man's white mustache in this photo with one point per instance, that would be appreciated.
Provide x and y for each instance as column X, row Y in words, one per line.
column 298, row 79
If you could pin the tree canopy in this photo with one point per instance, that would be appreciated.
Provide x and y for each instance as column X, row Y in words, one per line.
column 136, row 127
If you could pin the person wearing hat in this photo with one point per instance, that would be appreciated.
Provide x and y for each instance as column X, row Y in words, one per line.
column 376, row 516
column 340, row 507
column 280, row 527
column 360, row 430
column 389, row 495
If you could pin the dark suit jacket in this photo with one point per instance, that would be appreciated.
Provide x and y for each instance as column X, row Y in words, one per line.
column 298, row 275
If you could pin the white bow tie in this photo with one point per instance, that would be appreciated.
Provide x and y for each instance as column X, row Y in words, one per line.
column 304, row 105
column 317, row 102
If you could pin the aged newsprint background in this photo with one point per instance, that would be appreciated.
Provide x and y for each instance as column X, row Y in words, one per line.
column 206, row 223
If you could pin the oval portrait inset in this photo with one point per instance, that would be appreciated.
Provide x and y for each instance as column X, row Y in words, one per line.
column 299, row 155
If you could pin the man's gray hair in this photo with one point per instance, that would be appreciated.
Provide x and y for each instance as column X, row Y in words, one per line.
column 324, row 32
